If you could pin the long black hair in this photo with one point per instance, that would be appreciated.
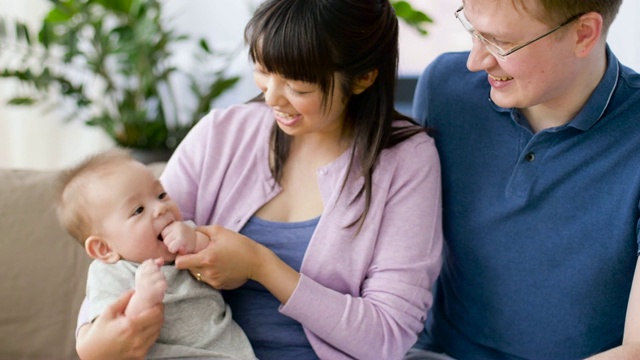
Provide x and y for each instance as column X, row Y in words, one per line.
column 311, row 41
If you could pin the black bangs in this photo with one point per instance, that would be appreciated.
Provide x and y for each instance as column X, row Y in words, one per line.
column 285, row 39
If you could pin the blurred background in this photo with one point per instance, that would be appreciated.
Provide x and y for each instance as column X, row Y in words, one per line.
column 31, row 137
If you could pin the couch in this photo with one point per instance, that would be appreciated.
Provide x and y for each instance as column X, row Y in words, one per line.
column 44, row 270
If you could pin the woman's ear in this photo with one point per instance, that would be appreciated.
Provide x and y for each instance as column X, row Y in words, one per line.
column 363, row 82
column 98, row 248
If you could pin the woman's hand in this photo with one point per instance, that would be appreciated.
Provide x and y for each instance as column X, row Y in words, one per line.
column 231, row 259
column 114, row 336
column 227, row 262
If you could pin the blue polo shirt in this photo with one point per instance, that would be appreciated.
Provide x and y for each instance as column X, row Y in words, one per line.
column 541, row 230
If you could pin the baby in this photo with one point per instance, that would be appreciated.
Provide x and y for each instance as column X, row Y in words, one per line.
column 117, row 209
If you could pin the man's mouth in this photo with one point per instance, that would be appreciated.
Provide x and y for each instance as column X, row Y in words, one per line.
column 501, row 78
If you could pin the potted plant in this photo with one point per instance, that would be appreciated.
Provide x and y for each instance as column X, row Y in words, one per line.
column 123, row 48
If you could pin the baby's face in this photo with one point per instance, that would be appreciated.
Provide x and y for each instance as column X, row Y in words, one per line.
column 132, row 208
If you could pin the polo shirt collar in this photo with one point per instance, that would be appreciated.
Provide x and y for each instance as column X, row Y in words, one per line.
column 597, row 103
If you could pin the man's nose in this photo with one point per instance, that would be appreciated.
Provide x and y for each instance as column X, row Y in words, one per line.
column 479, row 57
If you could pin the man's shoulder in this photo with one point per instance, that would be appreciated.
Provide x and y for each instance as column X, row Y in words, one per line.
column 449, row 70
column 449, row 64
column 452, row 59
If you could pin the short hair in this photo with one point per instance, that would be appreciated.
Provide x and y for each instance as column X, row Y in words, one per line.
column 557, row 11
column 72, row 208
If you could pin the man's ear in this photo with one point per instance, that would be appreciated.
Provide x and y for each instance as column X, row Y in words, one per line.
column 588, row 32
column 98, row 248
column 363, row 82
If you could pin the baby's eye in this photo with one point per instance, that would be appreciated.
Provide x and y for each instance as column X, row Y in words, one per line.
column 138, row 211
column 162, row 195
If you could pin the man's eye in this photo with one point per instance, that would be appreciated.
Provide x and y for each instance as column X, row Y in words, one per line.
column 162, row 195
column 498, row 42
column 138, row 211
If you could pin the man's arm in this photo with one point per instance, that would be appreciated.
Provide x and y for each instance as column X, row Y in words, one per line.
column 630, row 348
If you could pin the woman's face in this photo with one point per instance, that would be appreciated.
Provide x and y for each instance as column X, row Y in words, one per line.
column 298, row 107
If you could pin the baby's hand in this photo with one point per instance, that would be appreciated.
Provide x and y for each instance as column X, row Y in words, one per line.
column 150, row 282
column 179, row 238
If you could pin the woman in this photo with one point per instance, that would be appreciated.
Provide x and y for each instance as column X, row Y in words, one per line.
column 325, row 200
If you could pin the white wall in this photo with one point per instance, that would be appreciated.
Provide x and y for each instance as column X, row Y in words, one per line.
column 30, row 139
column 624, row 35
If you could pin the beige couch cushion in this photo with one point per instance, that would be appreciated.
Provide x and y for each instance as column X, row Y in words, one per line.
column 44, row 271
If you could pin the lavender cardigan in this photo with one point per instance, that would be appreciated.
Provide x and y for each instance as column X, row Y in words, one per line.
column 363, row 297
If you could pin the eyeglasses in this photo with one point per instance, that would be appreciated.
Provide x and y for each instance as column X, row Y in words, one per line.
column 496, row 50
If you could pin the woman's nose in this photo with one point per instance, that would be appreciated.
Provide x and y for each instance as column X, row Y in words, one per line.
column 479, row 57
column 273, row 93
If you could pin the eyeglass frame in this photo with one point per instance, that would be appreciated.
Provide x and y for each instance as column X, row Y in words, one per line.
column 493, row 48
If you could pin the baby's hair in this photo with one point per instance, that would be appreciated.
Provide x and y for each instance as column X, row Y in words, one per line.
column 72, row 196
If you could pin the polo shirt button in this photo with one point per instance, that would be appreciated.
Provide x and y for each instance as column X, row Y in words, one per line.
column 323, row 172
column 530, row 157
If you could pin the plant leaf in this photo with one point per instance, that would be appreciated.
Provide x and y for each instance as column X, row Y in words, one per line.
column 412, row 17
column 22, row 33
column 22, row 101
column 204, row 45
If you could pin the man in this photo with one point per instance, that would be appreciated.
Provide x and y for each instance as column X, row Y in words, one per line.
column 539, row 138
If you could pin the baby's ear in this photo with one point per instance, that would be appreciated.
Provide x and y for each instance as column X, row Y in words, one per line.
column 98, row 248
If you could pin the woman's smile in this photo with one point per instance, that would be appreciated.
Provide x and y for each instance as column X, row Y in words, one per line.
column 286, row 119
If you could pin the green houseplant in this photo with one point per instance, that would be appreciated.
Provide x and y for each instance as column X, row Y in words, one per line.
column 122, row 47
column 416, row 19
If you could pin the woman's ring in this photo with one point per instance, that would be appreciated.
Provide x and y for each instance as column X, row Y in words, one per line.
column 198, row 276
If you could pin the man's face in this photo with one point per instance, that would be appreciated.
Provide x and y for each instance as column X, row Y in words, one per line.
column 542, row 73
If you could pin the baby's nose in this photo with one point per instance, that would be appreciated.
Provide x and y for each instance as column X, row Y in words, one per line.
column 160, row 209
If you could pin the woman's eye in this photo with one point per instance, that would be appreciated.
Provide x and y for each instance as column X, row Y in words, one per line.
column 259, row 71
column 138, row 211
column 296, row 92
column 162, row 195
column 301, row 87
